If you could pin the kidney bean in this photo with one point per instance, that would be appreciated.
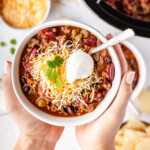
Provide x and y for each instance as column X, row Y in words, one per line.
column 23, row 80
column 26, row 89
column 33, row 52
column 69, row 110
column 69, row 43
column 89, row 42
column 111, row 72
column 108, row 59
column 133, row 62
column 136, row 77
column 27, row 65
column 93, row 38
column 50, row 36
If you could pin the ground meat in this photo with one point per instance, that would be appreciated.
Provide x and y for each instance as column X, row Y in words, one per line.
column 138, row 9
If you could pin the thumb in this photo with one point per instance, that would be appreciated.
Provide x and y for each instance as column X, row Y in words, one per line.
column 10, row 97
column 120, row 103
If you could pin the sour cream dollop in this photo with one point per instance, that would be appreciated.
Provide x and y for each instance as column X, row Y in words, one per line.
column 79, row 65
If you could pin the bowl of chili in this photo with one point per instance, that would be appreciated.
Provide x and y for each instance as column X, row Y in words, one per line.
column 135, row 63
column 49, row 104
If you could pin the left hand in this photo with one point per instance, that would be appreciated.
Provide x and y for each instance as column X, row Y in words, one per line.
column 33, row 132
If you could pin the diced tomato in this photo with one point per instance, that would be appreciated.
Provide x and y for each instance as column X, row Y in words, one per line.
column 111, row 72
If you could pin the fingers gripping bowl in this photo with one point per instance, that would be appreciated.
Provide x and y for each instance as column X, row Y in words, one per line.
column 57, row 117
column 135, row 63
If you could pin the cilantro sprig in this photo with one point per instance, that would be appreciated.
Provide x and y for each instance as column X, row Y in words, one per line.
column 56, row 62
column 52, row 73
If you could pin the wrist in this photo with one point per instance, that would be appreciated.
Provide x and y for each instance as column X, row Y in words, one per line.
column 27, row 142
column 98, row 146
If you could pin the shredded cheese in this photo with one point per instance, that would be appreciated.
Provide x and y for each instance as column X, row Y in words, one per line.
column 68, row 93
column 23, row 13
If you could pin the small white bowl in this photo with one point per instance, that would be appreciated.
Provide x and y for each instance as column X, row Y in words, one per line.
column 142, row 69
column 61, row 121
column 42, row 21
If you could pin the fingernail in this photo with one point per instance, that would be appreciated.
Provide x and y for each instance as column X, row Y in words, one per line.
column 6, row 67
column 130, row 77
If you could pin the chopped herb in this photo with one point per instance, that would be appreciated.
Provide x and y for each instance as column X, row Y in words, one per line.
column 52, row 73
column 58, row 83
column 2, row 43
column 56, row 62
column 13, row 42
column 12, row 50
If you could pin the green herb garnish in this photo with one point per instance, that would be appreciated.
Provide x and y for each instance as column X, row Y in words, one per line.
column 13, row 42
column 12, row 50
column 58, row 83
column 2, row 43
column 52, row 73
column 56, row 62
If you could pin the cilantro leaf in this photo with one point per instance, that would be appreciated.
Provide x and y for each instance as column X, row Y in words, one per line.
column 13, row 42
column 58, row 83
column 56, row 62
column 3, row 44
column 48, row 73
column 55, row 75
column 50, row 64
column 52, row 75
column 12, row 50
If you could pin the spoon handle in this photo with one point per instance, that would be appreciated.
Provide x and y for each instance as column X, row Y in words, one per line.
column 125, row 35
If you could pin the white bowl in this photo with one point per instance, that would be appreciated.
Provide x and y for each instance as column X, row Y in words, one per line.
column 60, row 121
column 42, row 21
column 142, row 69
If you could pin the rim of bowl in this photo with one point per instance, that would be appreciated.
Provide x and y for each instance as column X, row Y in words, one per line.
column 142, row 69
column 64, row 121
column 43, row 20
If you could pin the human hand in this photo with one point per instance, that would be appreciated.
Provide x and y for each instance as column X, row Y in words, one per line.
column 100, row 133
column 34, row 134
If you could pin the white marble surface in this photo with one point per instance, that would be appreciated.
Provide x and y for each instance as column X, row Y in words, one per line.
column 74, row 10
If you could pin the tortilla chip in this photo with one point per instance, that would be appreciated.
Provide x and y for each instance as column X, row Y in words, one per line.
column 119, row 140
column 135, row 124
column 120, row 132
column 129, row 137
column 143, row 145
column 118, row 148
column 148, row 130
column 144, row 101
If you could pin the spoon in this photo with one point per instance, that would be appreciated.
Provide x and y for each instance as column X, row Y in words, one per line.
column 80, row 64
